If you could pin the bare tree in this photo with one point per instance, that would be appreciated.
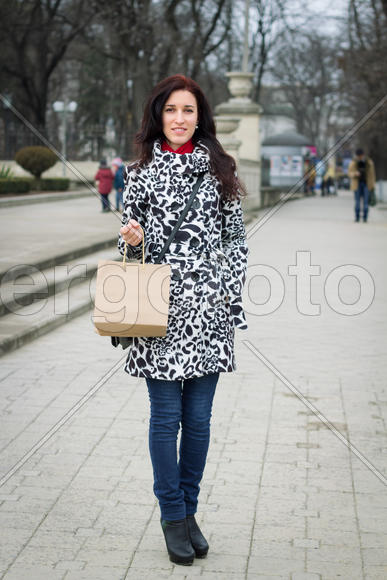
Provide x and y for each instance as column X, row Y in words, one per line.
column 36, row 35
column 152, row 39
column 364, row 80
column 305, row 66
column 268, row 21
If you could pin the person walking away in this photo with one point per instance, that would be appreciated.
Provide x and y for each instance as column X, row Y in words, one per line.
column 330, row 180
column 361, row 171
column 178, row 146
column 104, row 178
column 118, row 169
column 320, row 168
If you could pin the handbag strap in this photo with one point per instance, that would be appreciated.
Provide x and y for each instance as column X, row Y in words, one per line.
column 180, row 220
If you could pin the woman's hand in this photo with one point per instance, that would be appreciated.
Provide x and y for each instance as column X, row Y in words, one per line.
column 132, row 232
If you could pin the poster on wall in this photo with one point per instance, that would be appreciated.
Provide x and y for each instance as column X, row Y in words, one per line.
column 286, row 166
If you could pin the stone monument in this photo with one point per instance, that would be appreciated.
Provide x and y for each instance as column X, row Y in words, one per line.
column 240, row 106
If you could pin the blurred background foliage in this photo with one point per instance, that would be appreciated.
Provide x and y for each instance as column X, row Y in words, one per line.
column 106, row 55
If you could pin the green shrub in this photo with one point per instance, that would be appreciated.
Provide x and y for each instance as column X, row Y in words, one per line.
column 51, row 184
column 79, row 182
column 36, row 159
column 14, row 185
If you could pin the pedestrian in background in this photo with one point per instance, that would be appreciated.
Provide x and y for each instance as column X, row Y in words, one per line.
column 329, row 181
column 118, row 169
column 361, row 171
column 309, row 177
column 104, row 178
column 208, row 257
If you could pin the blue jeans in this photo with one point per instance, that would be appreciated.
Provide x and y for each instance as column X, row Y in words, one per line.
column 119, row 199
column 189, row 403
column 362, row 191
column 105, row 201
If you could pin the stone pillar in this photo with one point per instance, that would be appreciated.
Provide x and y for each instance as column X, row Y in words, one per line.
column 241, row 106
column 225, row 132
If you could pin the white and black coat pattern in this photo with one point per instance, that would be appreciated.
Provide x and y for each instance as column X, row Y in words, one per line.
column 208, row 259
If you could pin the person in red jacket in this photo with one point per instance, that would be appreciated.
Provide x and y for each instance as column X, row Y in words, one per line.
column 105, row 178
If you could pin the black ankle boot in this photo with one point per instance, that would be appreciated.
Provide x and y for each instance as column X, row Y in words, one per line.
column 198, row 541
column 179, row 546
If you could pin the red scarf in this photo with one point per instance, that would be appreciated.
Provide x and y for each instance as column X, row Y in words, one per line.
column 186, row 148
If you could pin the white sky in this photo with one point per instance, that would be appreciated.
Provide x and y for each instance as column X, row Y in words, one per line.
column 326, row 13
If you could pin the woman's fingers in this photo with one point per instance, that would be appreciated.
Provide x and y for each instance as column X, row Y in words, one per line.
column 132, row 232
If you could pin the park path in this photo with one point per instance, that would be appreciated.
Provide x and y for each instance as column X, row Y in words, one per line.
column 282, row 497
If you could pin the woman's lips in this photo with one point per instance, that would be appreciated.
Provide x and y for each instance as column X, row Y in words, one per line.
column 179, row 130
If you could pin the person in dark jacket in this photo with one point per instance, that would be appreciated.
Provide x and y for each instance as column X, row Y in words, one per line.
column 361, row 170
column 118, row 169
column 104, row 178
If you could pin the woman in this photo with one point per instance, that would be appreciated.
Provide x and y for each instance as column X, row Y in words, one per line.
column 104, row 178
column 208, row 260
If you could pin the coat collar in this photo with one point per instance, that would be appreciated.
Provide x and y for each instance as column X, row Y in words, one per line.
column 164, row 162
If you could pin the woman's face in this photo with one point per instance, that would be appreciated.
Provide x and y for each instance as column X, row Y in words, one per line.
column 180, row 116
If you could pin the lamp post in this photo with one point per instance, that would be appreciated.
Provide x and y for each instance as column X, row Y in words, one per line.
column 245, row 60
column 64, row 107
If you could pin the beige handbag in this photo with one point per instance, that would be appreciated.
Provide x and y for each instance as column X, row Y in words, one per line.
column 131, row 298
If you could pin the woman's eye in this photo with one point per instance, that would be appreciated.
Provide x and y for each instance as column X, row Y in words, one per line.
column 170, row 110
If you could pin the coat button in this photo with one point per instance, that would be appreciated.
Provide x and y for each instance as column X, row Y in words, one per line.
column 194, row 243
column 175, row 206
column 195, row 276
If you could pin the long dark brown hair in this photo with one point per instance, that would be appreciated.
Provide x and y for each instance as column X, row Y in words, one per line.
column 222, row 164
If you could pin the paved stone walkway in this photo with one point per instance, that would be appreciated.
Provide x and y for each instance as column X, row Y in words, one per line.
column 31, row 234
column 283, row 497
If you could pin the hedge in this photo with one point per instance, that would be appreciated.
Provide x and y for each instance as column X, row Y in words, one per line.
column 26, row 184
column 15, row 185
column 51, row 184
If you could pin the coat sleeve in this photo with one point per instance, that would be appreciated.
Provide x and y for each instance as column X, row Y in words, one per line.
column 372, row 176
column 235, row 248
column 135, row 205
column 352, row 169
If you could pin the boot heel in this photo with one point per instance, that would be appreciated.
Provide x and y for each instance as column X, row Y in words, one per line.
column 178, row 542
column 198, row 541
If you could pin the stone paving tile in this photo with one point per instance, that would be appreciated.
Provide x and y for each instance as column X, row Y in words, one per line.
column 218, row 562
column 95, row 573
column 286, row 550
column 331, row 570
column 278, row 566
column 375, row 572
column 375, row 556
column 370, row 540
column 34, row 572
column 305, row 576
column 151, row 560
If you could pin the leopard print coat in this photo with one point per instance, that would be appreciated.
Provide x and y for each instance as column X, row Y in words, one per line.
column 208, row 259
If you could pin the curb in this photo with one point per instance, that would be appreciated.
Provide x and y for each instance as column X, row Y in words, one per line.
column 62, row 258
column 10, row 344
column 43, row 198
